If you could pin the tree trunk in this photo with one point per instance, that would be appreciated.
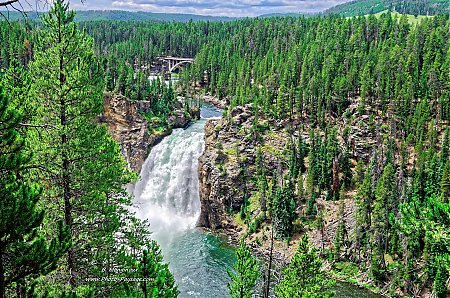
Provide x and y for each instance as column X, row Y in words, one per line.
column 2, row 273
column 65, row 168
column 269, row 269
column 68, row 221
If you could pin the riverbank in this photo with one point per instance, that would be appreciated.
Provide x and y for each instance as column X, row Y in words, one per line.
column 231, row 148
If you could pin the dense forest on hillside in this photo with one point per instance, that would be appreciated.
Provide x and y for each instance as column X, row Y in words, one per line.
column 311, row 76
column 120, row 15
column 412, row 7
column 319, row 73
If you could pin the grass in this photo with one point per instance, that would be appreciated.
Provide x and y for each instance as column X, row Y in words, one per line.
column 413, row 20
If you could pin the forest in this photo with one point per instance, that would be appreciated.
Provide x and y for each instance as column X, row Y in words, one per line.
column 411, row 7
column 65, row 222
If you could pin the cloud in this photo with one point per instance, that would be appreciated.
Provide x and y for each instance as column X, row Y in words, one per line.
column 232, row 8
column 227, row 8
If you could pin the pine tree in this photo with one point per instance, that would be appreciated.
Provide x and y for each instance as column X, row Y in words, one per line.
column 384, row 202
column 445, row 184
column 24, row 251
column 304, row 278
column 341, row 231
column 158, row 280
column 363, row 202
column 245, row 273
column 445, row 147
column 345, row 166
column 283, row 213
column 302, row 151
column 440, row 288
column 85, row 172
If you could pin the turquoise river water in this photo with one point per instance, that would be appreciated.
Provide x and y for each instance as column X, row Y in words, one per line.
column 167, row 195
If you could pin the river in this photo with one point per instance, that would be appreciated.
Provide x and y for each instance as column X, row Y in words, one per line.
column 168, row 196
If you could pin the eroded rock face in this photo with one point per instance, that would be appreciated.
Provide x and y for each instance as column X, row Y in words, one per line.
column 130, row 128
column 216, row 191
column 221, row 104
column 227, row 167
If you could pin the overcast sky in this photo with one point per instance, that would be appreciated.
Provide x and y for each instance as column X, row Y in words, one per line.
column 235, row 8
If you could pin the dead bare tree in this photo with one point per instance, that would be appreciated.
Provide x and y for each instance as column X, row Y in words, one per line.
column 23, row 6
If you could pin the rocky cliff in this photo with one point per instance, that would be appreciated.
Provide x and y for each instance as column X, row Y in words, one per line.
column 133, row 132
column 227, row 166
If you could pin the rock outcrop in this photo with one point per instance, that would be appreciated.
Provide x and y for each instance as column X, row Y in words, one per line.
column 227, row 166
column 128, row 126
column 215, row 101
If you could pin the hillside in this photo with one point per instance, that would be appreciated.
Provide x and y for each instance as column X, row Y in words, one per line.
column 412, row 7
column 120, row 15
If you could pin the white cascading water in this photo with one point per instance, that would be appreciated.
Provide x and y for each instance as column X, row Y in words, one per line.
column 167, row 194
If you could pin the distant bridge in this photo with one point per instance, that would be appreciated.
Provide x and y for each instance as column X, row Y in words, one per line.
column 175, row 62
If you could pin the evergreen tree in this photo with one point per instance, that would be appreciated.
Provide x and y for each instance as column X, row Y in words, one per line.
column 440, row 288
column 283, row 211
column 24, row 251
column 85, row 172
column 304, row 277
column 158, row 280
column 445, row 184
column 345, row 166
column 245, row 273
column 363, row 202
column 341, row 231
column 302, row 151
column 385, row 200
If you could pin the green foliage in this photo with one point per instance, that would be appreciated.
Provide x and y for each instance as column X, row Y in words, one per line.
column 312, row 204
column 304, row 277
column 385, row 202
column 429, row 220
column 60, row 93
column 245, row 273
column 413, row 7
column 445, row 183
column 341, row 231
column 345, row 167
column 84, row 170
column 124, row 16
column 158, row 280
column 25, row 253
column 298, row 71
column 440, row 288
column 363, row 201
column 283, row 211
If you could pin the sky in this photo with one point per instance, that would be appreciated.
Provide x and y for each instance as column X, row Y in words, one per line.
column 231, row 8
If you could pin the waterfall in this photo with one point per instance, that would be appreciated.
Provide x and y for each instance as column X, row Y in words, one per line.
column 167, row 193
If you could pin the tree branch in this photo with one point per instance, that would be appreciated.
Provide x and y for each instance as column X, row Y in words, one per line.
column 5, row 3
column 38, row 126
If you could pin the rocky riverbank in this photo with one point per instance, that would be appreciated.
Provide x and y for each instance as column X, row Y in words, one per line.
column 227, row 174
column 135, row 134
column 227, row 165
